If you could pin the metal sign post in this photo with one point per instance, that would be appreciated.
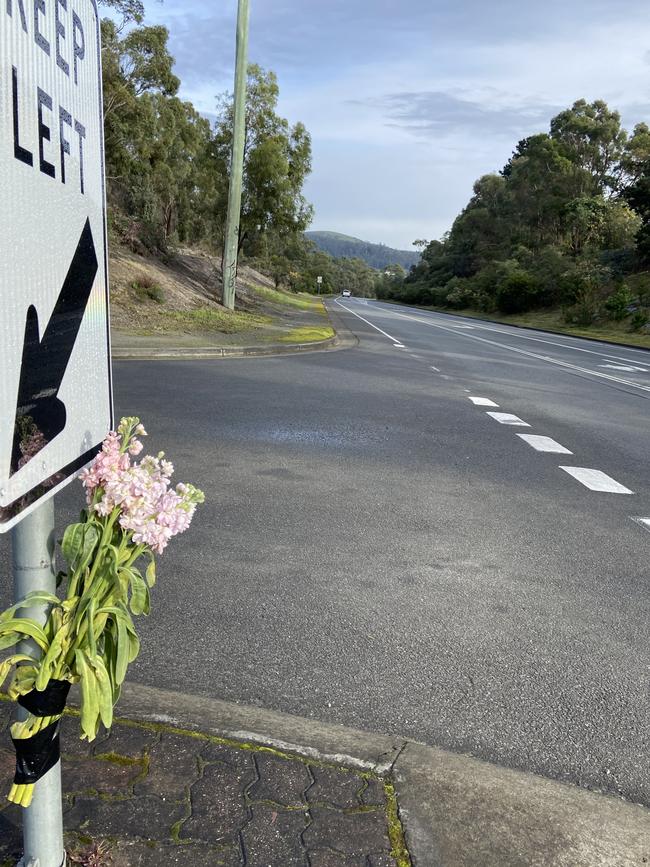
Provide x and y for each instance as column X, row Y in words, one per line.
column 55, row 382
column 33, row 561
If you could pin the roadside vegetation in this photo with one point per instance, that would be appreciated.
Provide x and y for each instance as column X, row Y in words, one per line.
column 300, row 302
column 308, row 334
column 168, row 175
column 560, row 235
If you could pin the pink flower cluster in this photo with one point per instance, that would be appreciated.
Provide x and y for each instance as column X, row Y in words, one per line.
column 149, row 508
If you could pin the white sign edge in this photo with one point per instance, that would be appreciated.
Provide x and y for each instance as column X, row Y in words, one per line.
column 83, row 461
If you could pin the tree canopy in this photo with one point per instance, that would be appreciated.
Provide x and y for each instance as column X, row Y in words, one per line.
column 566, row 222
column 168, row 166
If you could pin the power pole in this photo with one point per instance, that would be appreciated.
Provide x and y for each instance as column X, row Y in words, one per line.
column 231, row 243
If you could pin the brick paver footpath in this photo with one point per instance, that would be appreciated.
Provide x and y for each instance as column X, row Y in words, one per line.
column 149, row 796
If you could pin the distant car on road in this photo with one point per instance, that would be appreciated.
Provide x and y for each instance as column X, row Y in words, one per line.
column 346, row 293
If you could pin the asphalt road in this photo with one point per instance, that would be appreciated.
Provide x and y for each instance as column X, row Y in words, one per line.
column 377, row 550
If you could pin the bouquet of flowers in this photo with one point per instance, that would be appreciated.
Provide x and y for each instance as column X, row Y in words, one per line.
column 89, row 637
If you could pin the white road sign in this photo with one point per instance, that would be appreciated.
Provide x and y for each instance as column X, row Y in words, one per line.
column 55, row 382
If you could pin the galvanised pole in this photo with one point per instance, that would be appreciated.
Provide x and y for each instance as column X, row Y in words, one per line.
column 33, row 543
column 231, row 243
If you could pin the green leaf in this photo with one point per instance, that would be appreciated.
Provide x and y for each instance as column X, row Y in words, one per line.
column 78, row 545
column 134, row 647
column 140, row 602
column 105, row 692
column 56, row 650
column 123, row 647
column 89, row 696
column 23, row 681
column 151, row 572
column 38, row 597
column 92, row 641
column 115, row 555
column 7, row 664
column 23, row 628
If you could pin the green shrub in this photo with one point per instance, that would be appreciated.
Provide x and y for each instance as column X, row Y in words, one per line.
column 147, row 289
column 639, row 320
column 517, row 292
column 617, row 303
column 459, row 294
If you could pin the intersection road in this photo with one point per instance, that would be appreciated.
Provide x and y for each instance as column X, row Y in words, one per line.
column 443, row 532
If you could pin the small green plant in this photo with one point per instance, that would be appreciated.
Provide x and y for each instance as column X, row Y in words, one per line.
column 147, row 289
column 639, row 320
column 94, row 855
column 617, row 304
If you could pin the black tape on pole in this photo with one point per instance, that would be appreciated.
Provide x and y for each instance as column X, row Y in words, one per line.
column 50, row 702
column 37, row 755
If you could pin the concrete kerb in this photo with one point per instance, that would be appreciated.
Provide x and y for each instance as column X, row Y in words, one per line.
column 457, row 811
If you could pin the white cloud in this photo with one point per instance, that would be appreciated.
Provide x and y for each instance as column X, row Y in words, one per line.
column 390, row 167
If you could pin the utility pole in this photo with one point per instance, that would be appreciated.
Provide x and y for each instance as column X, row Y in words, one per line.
column 231, row 243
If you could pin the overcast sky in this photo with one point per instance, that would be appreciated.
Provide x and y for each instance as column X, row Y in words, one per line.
column 409, row 101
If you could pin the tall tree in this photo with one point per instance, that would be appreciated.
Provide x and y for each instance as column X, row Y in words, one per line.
column 590, row 135
column 277, row 160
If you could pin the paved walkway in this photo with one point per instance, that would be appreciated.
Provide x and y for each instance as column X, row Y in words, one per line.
column 158, row 796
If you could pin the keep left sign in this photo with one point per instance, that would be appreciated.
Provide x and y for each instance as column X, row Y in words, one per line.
column 55, row 379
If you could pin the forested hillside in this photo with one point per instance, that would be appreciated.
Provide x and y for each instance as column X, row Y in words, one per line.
column 565, row 224
column 376, row 255
column 168, row 167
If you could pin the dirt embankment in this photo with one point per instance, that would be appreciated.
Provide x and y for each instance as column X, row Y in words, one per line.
column 175, row 299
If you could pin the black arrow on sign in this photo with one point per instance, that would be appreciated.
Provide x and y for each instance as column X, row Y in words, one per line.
column 45, row 361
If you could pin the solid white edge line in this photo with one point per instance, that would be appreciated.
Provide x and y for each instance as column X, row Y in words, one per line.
column 596, row 480
column 644, row 522
column 546, row 358
column 605, row 346
column 363, row 319
column 544, row 444
column 508, row 418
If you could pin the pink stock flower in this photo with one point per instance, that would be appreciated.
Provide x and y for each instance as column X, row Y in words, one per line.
column 141, row 492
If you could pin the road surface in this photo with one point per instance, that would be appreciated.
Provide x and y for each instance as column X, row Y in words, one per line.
column 437, row 533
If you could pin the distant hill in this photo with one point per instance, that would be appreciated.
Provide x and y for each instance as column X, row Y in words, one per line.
column 376, row 255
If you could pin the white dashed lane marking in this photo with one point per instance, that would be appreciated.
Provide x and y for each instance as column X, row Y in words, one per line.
column 507, row 418
column 483, row 401
column 645, row 523
column 544, row 444
column 398, row 345
column 596, row 480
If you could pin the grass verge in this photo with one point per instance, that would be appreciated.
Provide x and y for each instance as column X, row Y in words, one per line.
column 308, row 334
column 300, row 302
column 610, row 332
column 211, row 319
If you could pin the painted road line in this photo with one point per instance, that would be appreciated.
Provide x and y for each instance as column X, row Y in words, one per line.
column 508, row 418
column 645, row 523
column 596, row 480
column 437, row 369
column 483, row 401
column 624, row 368
column 376, row 327
column 568, row 337
column 398, row 345
column 546, row 358
column 544, row 444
